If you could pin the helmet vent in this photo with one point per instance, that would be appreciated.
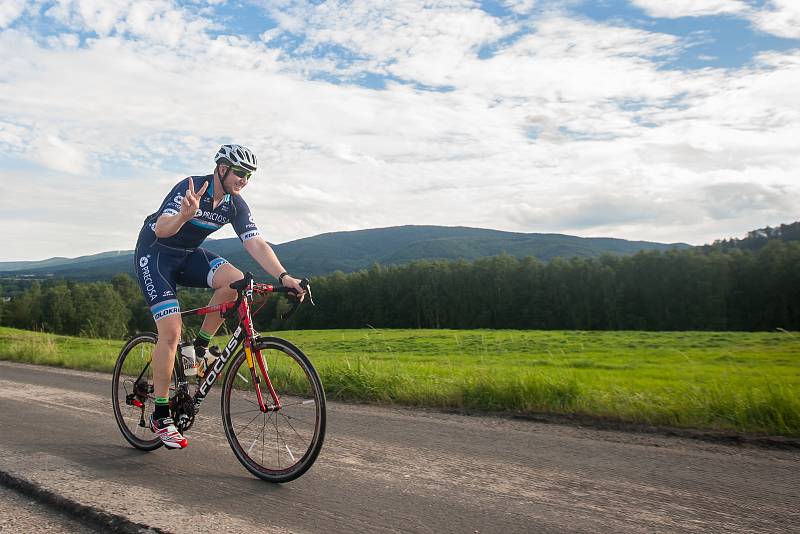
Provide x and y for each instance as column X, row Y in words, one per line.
column 236, row 155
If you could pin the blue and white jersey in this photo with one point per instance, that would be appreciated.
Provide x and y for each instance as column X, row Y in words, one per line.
column 232, row 209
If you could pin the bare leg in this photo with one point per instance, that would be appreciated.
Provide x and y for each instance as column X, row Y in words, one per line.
column 226, row 274
column 169, row 333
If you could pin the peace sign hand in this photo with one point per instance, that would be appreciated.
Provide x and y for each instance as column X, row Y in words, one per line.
column 191, row 201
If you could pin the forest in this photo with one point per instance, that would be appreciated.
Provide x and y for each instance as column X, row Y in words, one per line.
column 751, row 284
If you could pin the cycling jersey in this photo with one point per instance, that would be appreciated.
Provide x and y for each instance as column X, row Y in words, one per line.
column 162, row 263
column 232, row 209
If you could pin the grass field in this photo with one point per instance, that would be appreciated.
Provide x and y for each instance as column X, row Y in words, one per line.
column 746, row 382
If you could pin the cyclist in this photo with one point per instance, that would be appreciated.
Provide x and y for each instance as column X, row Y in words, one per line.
column 168, row 253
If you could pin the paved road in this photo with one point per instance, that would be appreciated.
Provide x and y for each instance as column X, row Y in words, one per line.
column 19, row 514
column 393, row 470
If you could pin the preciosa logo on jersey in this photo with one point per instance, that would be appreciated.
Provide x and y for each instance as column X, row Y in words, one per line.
column 143, row 261
column 211, row 216
column 178, row 199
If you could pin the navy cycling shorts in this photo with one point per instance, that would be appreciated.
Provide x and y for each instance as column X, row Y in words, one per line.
column 159, row 269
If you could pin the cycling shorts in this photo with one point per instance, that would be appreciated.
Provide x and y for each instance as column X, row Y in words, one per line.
column 160, row 268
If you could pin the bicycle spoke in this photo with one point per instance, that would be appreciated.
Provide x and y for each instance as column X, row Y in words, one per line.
column 277, row 443
column 248, row 424
column 282, row 443
column 293, row 430
column 263, row 437
column 263, row 427
column 246, row 412
column 299, row 420
column 286, row 445
column 255, row 403
column 301, row 403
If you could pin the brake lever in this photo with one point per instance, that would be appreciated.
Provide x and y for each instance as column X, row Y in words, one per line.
column 306, row 285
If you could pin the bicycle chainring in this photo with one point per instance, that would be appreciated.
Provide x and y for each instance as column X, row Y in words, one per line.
column 183, row 410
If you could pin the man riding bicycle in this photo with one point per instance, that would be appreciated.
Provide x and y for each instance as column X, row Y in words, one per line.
column 168, row 253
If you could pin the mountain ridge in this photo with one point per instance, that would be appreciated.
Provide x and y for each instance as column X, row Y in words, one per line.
column 358, row 249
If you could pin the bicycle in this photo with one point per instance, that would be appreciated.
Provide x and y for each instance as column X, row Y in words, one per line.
column 292, row 404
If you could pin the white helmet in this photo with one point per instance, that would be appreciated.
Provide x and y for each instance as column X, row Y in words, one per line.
column 236, row 155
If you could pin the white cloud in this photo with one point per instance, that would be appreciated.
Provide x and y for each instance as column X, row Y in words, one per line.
column 729, row 200
column 705, row 213
column 690, row 8
column 520, row 6
column 580, row 212
column 575, row 61
column 571, row 126
column 9, row 11
column 53, row 152
column 779, row 17
column 12, row 137
column 158, row 21
column 409, row 39
column 69, row 208
column 63, row 40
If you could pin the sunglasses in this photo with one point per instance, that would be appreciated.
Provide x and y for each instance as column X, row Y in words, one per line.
column 241, row 173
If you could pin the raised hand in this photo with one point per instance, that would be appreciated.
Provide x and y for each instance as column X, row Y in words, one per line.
column 191, row 200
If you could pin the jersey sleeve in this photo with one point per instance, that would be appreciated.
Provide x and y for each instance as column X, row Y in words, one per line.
column 172, row 203
column 243, row 220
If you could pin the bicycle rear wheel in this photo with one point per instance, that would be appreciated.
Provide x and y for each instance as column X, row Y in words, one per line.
column 280, row 445
column 132, row 391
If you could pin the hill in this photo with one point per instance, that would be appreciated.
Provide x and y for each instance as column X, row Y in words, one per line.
column 354, row 250
column 756, row 239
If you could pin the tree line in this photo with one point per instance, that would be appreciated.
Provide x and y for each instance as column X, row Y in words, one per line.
column 755, row 239
column 711, row 288
column 674, row 290
column 112, row 309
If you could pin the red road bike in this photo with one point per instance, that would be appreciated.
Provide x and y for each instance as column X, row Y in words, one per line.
column 272, row 402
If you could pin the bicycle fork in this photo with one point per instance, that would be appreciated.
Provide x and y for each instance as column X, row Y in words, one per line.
column 254, row 357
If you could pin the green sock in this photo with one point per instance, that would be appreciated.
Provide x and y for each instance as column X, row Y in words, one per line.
column 162, row 408
column 203, row 339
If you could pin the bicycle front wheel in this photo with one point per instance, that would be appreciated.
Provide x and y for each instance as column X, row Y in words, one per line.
column 281, row 444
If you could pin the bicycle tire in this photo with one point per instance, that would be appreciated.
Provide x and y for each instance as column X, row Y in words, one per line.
column 299, row 426
column 134, row 422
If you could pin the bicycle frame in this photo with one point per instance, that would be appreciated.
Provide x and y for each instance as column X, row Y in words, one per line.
column 244, row 333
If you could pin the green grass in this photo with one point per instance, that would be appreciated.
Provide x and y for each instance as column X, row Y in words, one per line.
column 746, row 382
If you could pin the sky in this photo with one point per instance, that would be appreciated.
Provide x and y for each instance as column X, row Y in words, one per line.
column 649, row 120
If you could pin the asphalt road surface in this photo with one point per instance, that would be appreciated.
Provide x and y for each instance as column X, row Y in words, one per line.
column 389, row 470
column 19, row 514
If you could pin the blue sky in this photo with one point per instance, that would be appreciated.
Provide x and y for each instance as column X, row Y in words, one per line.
column 642, row 119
